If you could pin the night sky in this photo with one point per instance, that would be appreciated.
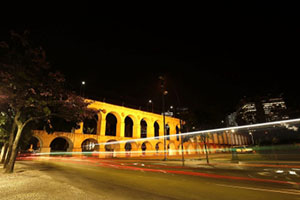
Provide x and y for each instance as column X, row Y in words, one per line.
column 210, row 58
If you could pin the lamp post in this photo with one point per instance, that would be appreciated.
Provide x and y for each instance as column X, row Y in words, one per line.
column 151, row 102
column 164, row 92
column 250, row 133
column 82, row 88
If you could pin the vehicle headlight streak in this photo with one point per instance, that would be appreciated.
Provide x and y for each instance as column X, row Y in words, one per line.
column 231, row 129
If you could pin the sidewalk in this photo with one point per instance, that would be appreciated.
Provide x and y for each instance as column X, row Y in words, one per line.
column 29, row 182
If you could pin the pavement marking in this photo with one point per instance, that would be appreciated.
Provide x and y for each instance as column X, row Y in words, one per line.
column 293, row 192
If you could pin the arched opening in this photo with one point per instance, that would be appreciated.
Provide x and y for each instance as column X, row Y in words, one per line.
column 143, row 128
column 190, row 149
column 131, row 149
column 90, row 125
column 111, row 125
column 60, row 145
column 159, row 147
column 89, row 145
column 128, row 127
column 128, row 148
column 168, row 131
column 177, row 133
column 58, row 124
column 146, row 146
column 198, row 149
column 156, row 130
column 111, row 147
column 171, row 149
column 180, row 149
column 33, row 145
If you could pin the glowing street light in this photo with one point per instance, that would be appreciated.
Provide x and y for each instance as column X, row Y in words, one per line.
column 151, row 102
column 82, row 88
column 250, row 133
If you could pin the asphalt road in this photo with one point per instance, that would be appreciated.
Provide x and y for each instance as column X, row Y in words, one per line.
column 123, row 179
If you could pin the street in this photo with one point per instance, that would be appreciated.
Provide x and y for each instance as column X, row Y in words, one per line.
column 155, row 179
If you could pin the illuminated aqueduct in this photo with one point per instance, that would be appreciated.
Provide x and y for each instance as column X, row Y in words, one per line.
column 117, row 128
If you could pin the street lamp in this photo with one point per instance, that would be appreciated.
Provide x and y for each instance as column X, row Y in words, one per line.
column 164, row 92
column 151, row 102
column 82, row 88
column 250, row 133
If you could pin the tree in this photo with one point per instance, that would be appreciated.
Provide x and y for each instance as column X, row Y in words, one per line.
column 3, row 135
column 6, row 123
column 32, row 91
column 204, row 137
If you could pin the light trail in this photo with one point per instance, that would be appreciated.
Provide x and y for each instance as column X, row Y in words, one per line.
column 140, row 152
column 166, row 169
column 233, row 128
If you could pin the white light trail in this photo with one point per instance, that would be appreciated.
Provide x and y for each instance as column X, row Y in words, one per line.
column 232, row 129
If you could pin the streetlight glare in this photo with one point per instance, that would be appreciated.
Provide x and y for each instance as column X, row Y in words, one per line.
column 83, row 82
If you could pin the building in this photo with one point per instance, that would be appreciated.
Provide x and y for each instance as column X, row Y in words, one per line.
column 231, row 120
column 274, row 109
column 259, row 110
column 118, row 131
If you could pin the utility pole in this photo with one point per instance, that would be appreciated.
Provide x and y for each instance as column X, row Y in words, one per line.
column 164, row 92
column 181, row 137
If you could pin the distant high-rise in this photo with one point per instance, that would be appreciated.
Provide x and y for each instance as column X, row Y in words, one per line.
column 275, row 109
column 259, row 110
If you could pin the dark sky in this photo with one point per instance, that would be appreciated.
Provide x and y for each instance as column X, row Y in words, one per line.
column 210, row 57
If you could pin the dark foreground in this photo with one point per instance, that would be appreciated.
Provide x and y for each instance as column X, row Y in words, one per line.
column 74, row 178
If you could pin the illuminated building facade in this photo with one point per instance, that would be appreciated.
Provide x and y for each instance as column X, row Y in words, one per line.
column 261, row 110
column 118, row 131
column 275, row 109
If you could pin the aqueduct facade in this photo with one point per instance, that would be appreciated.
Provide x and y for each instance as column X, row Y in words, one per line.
column 118, row 131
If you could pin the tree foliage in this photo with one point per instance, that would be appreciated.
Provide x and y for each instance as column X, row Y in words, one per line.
column 31, row 90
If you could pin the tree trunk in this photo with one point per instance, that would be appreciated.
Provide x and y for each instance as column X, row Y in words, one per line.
column 206, row 153
column 10, row 144
column 10, row 166
column 3, row 152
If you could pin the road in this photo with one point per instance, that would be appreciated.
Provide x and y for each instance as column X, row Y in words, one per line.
column 148, row 179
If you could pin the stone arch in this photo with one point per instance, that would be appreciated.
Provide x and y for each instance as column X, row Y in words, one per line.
column 128, row 122
column 59, row 124
column 112, row 149
column 171, row 149
column 145, row 147
column 156, row 129
column 90, row 126
column 177, row 133
column 168, row 128
column 89, row 145
column 144, row 128
column 61, row 144
column 100, row 115
column 35, row 144
column 199, row 149
column 179, row 149
column 112, row 127
column 130, row 148
column 159, row 147
column 190, row 149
